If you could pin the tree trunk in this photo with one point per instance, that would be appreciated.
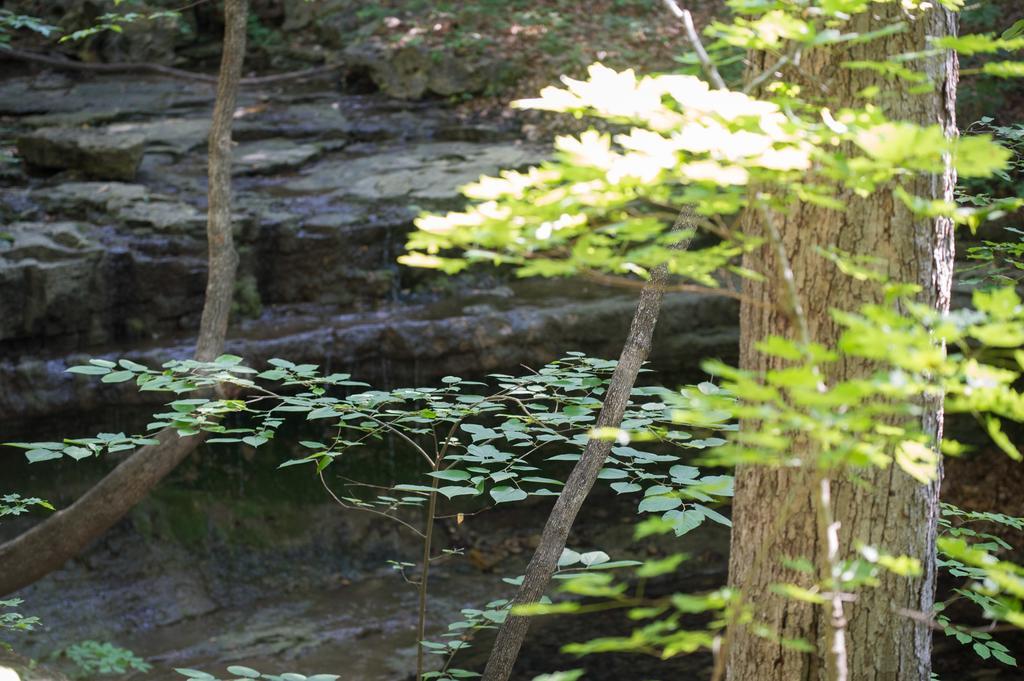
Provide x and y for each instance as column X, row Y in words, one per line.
column 584, row 474
column 63, row 535
column 892, row 512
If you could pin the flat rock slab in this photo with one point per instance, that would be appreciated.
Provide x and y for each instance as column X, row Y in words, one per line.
column 129, row 205
column 432, row 172
column 97, row 153
column 174, row 135
column 60, row 93
column 43, row 242
column 272, row 156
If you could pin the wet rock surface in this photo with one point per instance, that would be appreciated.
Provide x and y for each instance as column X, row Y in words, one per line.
column 235, row 562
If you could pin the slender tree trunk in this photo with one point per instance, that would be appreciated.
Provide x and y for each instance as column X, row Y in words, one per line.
column 220, row 283
column 63, row 535
column 891, row 511
column 584, row 474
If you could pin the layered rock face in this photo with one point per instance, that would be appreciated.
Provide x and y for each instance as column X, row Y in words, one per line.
column 97, row 260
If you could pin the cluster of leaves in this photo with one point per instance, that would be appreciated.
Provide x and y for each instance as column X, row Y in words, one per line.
column 477, row 440
column 665, row 634
column 602, row 202
column 115, row 22
column 481, row 439
column 957, row 527
column 997, row 262
column 9, row 22
column 459, row 636
column 15, row 504
column 14, row 621
column 94, row 658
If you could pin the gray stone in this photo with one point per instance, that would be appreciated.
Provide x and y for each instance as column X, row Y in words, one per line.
column 162, row 216
column 430, row 172
column 129, row 205
column 271, row 156
column 52, row 273
column 97, row 153
column 175, row 135
column 48, row 94
column 72, row 118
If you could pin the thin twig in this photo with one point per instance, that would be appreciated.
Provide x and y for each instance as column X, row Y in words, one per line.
column 766, row 74
column 691, row 34
column 612, row 280
column 428, row 534
column 837, row 669
column 361, row 508
column 796, row 307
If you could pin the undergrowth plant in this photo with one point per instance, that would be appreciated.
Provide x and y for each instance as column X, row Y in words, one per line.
column 479, row 445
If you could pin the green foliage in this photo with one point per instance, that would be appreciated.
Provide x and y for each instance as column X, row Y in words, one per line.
column 14, row 621
column 93, row 658
column 479, row 441
column 9, row 22
column 261, row 36
column 956, row 524
column 15, row 504
column 115, row 22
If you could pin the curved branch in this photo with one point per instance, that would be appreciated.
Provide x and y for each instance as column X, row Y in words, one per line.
column 584, row 474
column 63, row 535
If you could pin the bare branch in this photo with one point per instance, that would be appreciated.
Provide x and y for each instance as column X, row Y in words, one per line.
column 691, row 34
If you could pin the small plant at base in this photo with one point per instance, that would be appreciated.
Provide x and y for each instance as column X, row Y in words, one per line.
column 102, row 658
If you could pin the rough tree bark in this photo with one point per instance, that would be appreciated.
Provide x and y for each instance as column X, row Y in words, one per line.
column 892, row 512
column 48, row 545
column 584, row 474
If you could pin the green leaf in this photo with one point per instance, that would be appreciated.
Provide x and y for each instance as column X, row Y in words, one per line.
column 88, row 370
column 657, row 504
column 37, row 455
column 248, row 673
column 322, row 413
column 663, row 566
column 1016, row 30
column 568, row 557
column 1005, row 658
column 413, row 488
column 995, row 431
column 195, row 674
column 594, row 558
column 453, row 491
column 503, row 494
column 118, row 377
column 1004, row 69
column 228, row 360
column 450, row 475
